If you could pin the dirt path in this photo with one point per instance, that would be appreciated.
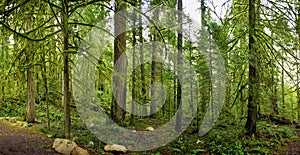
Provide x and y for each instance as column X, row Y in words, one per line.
column 21, row 142
column 293, row 147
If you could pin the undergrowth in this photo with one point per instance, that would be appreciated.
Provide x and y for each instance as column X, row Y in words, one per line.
column 225, row 138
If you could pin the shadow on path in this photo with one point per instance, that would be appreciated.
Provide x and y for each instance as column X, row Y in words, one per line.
column 21, row 142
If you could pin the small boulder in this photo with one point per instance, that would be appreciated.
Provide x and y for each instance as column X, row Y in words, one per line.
column 13, row 119
column 115, row 147
column 150, row 128
column 90, row 145
column 79, row 151
column 64, row 146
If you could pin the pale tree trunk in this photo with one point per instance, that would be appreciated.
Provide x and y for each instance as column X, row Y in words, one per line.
column 143, row 79
column 253, row 98
column 179, row 71
column 154, row 67
column 119, row 82
column 30, row 95
column 30, row 83
column 45, row 83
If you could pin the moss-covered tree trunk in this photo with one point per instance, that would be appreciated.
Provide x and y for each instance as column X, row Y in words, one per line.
column 66, row 76
column 30, row 109
column 253, row 99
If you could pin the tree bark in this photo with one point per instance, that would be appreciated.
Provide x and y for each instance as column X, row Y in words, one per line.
column 133, row 91
column 30, row 96
column 179, row 71
column 119, row 87
column 298, row 55
column 30, row 83
column 143, row 79
column 154, row 66
column 253, row 98
column 205, row 73
column 66, row 76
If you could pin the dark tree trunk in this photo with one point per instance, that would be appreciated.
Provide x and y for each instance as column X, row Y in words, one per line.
column 298, row 55
column 133, row 91
column 253, row 99
column 66, row 76
column 274, row 93
column 3, row 65
column 205, row 78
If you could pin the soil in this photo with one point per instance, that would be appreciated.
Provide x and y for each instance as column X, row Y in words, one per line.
column 21, row 141
column 293, row 147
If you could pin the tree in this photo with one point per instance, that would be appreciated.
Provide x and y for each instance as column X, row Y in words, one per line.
column 253, row 93
column 133, row 90
column 298, row 55
column 179, row 70
column 30, row 82
column 143, row 79
column 120, row 64
column 154, row 63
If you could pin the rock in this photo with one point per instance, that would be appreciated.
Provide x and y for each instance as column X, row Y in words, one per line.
column 115, row 147
column 79, row 151
column 13, row 119
column 2, row 118
column 90, row 144
column 150, row 128
column 64, row 146
column 90, row 125
column 25, row 125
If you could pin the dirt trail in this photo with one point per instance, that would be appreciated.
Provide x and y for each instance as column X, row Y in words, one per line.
column 21, row 142
column 293, row 147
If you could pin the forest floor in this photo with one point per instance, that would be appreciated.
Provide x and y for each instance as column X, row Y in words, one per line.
column 16, row 140
column 293, row 147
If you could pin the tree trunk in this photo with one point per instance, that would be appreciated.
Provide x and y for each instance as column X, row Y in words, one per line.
column 143, row 79
column 119, row 82
column 253, row 98
column 133, row 66
column 205, row 83
column 3, row 65
column 298, row 55
column 66, row 77
column 179, row 71
column 154, row 67
column 30, row 95
column 46, row 89
column 274, row 93
column 30, row 83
